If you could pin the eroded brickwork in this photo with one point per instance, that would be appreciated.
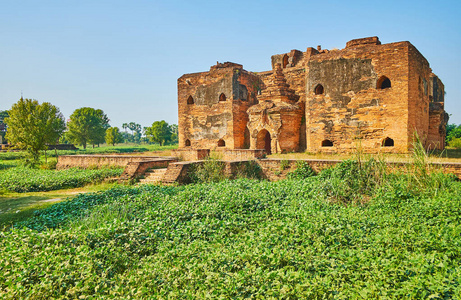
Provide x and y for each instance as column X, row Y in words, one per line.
column 369, row 95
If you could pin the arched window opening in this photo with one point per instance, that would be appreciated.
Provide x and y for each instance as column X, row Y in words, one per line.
column 222, row 97
column 318, row 89
column 327, row 143
column 190, row 100
column 388, row 142
column 187, row 143
column 383, row 83
column 285, row 61
column 221, row 143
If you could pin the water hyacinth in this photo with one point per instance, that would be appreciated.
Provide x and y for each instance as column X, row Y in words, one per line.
column 22, row 179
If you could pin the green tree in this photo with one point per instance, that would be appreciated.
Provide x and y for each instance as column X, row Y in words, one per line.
column 113, row 136
column 455, row 143
column 31, row 126
column 87, row 125
column 135, row 131
column 453, row 131
column 174, row 133
column 3, row 127
column 159, row 132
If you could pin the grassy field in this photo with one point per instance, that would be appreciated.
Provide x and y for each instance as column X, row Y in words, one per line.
column 355, row 231
column 23, row 190
column 131, row 149
column 15, row 207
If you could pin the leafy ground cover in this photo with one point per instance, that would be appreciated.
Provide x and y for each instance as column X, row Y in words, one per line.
column 356, row 231
column 23, row 179
column 15, row 207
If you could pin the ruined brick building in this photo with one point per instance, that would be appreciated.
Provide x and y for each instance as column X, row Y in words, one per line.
column 368, row 94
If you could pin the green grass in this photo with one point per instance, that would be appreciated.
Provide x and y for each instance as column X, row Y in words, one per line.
column 103, row 149
column 120, row 148
column 16, row 207
column 356, row 231
column 22, row 179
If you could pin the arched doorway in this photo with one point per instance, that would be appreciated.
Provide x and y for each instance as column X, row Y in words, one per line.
column 264, row 141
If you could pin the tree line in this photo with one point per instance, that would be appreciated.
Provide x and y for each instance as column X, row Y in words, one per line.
column 32, row 126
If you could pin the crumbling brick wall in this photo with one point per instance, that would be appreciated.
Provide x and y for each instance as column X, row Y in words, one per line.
column 212, row 106
column 368, row 95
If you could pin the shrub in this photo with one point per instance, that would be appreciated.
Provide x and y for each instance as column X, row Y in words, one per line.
column 284, row 164
column 210, row 170
column 249, row 169
column 303, row 170
column 455, row 143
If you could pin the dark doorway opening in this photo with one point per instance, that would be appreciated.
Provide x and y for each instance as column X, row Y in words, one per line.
column 264, row 141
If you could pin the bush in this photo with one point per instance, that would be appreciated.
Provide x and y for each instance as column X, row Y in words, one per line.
column 210, row 170
column 303, row 170
column 352, row 181
column 249, row 169
column 455, row 143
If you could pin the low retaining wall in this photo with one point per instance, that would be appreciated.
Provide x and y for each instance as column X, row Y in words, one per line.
column 135, row 169
column 95, row 161
column 277, row 169
column 191, row 154
column 225, row 154
column 241, row 154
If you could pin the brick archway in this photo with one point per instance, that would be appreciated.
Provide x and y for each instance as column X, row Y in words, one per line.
column 263, row 141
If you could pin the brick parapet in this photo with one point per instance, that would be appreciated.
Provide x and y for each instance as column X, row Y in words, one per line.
column 90, row 161
column 277, row 169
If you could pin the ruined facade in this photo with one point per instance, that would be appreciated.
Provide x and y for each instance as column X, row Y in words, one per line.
column 366, row 95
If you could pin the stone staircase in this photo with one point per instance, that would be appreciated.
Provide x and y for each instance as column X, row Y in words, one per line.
column 152, row 176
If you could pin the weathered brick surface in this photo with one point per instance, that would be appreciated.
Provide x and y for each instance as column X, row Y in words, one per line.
column 211, row 117
column 319, row 101
column 241, row 154
column 190, row 154
column 277, row 169
column 136, row 169
column 89, row 161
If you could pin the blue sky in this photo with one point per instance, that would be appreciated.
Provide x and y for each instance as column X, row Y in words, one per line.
column 124, row 57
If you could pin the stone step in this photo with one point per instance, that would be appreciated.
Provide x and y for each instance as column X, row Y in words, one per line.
column 153, row 176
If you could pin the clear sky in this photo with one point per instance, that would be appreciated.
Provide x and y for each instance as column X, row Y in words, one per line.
column 125, row 57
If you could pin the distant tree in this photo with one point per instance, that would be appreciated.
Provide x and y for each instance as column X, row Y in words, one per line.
column 3, row 127
column 113, row 136
column 31, row 126
column 159, row 132
column 453, row 131
column 174, row 133
column 87, row 125
column 135, row 132
column 455, row 143
column 125, row 134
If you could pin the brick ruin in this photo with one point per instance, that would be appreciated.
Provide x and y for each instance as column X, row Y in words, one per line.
column 369, row 95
